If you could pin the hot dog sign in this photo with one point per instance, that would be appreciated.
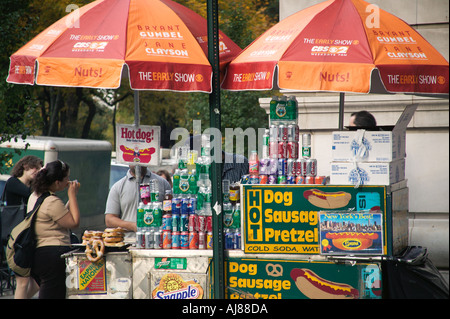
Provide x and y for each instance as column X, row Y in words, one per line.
column 137, row 145
column 280, row 219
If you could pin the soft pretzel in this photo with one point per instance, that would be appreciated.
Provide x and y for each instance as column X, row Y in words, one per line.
column 96, row 247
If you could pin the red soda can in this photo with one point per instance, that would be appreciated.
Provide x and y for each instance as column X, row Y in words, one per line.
column 282, row 133
column 201, row 223
column 311, row 167
column 201, row 240
column 193, row 222
column 290, row 167
column 309, row 180
column 319, row 179
column 193, row 240
column 273, row 149
column 303, row 167
column 293, row 132
column 282, row 149
column 209, row 223
column 292, row 149
column 300, row 180
column 167, row 239
column 263, row 179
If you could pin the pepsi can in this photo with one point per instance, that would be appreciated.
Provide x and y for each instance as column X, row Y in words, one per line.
column 184, row 240
column 237, row 240
column 184, row 205
column 176, row 205
column 290, row 179
column 281, row 168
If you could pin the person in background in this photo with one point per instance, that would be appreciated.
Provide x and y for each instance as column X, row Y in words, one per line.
column 17, row 191
column 122, row 202
column 54, row 221
column 234, row 166
column 363, row 119
column 166, row 175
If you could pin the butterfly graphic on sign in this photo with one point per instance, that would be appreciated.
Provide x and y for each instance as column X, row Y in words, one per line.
column 137, row 155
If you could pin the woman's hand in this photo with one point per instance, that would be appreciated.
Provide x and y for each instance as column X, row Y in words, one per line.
column 73, row 188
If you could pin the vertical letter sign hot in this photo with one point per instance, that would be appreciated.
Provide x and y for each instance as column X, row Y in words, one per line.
column 137, row 144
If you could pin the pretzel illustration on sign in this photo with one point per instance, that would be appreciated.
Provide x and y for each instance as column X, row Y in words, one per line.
column 274, row 270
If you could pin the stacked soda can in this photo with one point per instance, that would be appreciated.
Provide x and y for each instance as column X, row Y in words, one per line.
column 283, row 161
column 232, row 225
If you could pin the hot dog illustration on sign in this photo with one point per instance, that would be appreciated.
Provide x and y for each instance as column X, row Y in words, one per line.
column 315, row 287
column 327, row 200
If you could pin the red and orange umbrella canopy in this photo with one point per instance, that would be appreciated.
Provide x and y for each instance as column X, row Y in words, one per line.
column 163, row 44
column 341, row 46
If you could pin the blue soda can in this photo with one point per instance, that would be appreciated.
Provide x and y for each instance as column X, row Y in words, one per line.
column 245, row 179
column 192, row 206
column 176, row 205
column 237, row 240
column 184, row 205
column 254, row 179
column 176, row 240
column 175, row 222
column 290, row 179
column 167, row 222
column 184, row 240
column 272, row 179
column 281, row 168
column 229, row 239
column 184, row 222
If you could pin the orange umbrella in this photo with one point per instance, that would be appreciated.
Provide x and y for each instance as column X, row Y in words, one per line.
column 341, row 46
column 162, row 43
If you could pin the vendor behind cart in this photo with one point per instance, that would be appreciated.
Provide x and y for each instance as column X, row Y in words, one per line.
column 121, row 205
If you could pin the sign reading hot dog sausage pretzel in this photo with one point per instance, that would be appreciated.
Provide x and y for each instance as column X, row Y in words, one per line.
column 299, row 279
column 284, row 219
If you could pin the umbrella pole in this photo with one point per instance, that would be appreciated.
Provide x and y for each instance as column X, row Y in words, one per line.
column 341, row 111
column 137, row 170
column 216, row 168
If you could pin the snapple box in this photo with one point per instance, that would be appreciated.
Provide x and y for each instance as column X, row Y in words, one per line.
column 385, row 145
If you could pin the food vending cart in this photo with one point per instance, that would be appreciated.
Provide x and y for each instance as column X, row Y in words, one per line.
column 290, row 237
column 296, row 246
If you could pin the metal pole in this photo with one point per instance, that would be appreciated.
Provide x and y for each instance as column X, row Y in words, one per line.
column 216, row 168
column 341, row 111
column 137, row 169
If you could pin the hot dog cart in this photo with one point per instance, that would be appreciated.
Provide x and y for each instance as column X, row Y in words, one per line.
column 285, row 250
column 296, row 238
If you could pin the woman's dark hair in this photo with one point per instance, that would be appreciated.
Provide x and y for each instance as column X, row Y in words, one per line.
column 53, row 171
column 364, row 119
column 26, row 162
